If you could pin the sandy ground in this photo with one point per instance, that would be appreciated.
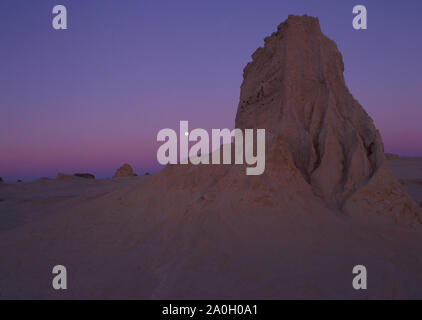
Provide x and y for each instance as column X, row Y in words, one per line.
column 117, row 242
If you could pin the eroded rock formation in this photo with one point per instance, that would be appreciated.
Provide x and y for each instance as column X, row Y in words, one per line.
column 124, row 171
column 321, row 144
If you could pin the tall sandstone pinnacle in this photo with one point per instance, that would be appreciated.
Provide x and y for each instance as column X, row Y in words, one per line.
column 295, row 89
column 322, row 148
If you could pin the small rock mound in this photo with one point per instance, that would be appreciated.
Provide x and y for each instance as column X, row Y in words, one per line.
column 391, row 156
column 62, row 176
column 85, row 175
column 124, row 171
column 1, row 179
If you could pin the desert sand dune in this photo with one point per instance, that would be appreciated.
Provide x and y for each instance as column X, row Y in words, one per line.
column 118, row 240
column 328, row 201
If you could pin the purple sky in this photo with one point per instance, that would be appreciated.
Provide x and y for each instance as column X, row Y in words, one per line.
column 93, row 97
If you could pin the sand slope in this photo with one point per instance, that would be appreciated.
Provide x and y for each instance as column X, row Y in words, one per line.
column 117, row 242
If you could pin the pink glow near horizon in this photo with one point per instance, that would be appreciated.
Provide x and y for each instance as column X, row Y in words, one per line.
column 94, row 97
